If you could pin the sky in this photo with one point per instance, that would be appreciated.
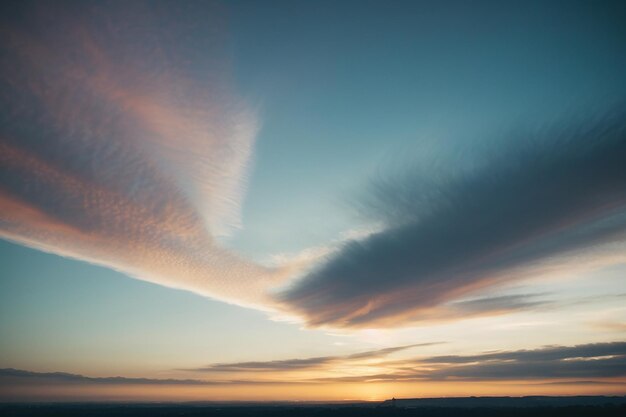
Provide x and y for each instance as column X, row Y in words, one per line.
column 296, row 200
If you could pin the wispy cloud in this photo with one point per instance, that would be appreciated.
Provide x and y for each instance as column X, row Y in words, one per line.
column 502, row 303
column 122, row 143
column 515, row 215
column 17, row 376
column 307, row 363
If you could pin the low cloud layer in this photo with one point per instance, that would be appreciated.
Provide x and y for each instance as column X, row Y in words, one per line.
column 599, row 360
column 559, row 363
column 515, row 215
column 10, row 376
column 599, row 363
column 122, row 143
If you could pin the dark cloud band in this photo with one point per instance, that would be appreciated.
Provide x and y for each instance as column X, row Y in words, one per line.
column 598, row 363
column 562, row 192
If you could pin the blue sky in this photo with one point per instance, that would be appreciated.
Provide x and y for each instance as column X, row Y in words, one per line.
column 252, row 163
column 407, row 84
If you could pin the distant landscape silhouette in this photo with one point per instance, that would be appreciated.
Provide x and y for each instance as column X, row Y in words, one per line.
column 574, row 406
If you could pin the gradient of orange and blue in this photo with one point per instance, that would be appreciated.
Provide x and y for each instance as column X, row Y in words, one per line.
column 295, row 200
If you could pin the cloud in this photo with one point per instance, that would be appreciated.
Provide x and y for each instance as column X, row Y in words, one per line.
column 583, row 361
column 123, row 144
column 564, row 363
column 307, row 363
column 598, row 368
column 17, row 376
column 550, row 353
column 582, row 383
column 601, row 363
column 522, row 213
column 503, row 303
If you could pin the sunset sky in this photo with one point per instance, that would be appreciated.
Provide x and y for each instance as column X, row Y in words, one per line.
column 311, row 200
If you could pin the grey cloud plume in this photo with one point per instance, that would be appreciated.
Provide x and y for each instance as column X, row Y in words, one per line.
column 561, row 193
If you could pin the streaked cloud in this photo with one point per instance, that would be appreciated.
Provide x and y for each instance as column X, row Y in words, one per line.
column 502, row 303
column 531, row 211
column 599, row 360
column 122, row 142
column 307, row 363
column 600, row 363
column 548, row 353
column 16, row 376
column 582, row 361
column 583, row 383
column 553, row 363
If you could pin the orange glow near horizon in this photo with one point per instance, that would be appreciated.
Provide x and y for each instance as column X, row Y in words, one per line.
column 305, row 392
column 217, row 201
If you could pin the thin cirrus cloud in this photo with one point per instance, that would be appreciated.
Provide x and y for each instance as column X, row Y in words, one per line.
column 495, row 304
column 516, row 215
column 12, row 376
column 20, row 377
column 306, row 363
column 122, row 143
